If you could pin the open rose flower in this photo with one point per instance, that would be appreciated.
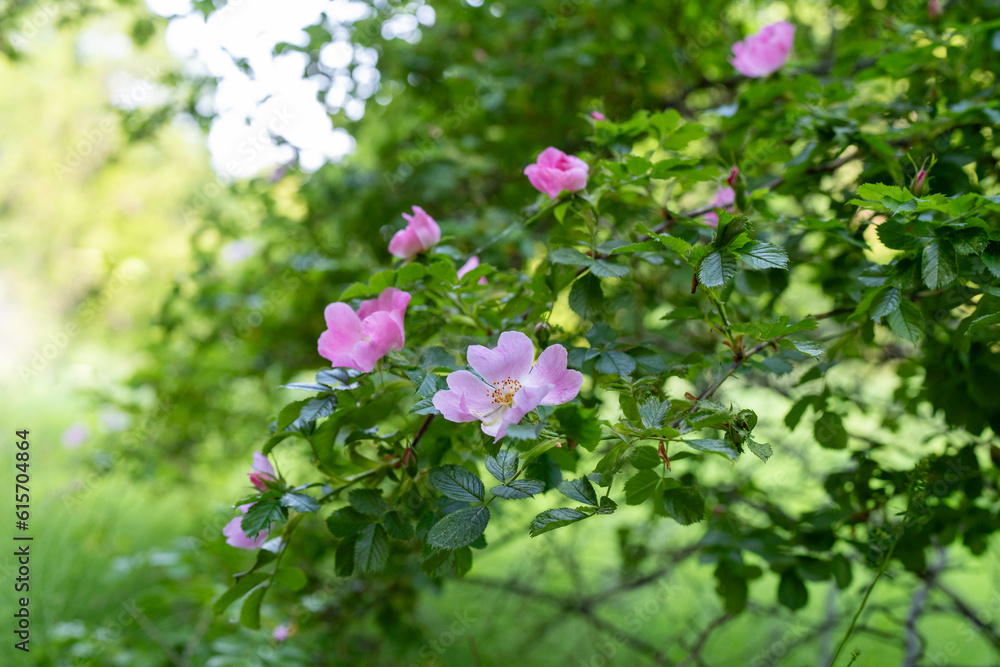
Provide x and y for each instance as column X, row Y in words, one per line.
column 473, row 263
column 420, row 234
column 261, row 472
column 235, row 537
column 724, row 197
column 512, row 387
column 764, row 52
column 358, row 340
column 555, row 171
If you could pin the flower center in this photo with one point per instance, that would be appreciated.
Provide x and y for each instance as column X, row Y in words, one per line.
column 504, row 390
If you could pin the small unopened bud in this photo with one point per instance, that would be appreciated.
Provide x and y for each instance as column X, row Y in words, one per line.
column 919, row 182
column 934, row 9
column 597, row 115
column 542, row 326
column 733, row 174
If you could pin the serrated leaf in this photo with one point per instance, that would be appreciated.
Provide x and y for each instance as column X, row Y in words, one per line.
column 829, row 431
column 767, row 330
column 645, row 457
column 459, row 528
column 907, row 322
column 570, row 256
column 306, row 386
column 761, row 450
column 346, row 522
column 292, row 578
column 888, row 302
column 503, row 466
column 759, row 255
column 396, row 526
column 457, row 482
column 586, row 297
column 580, row 490
column 982, row 322
column 605, row 269
column 289, row 414
column 991, row 260
column 425, row 406
column 300, row 502
column 684, row 505
column 641, row 486
column 555, row 518
column 937, row 266
column 615, row 362
column 344, row 557
column 652, row 412
column 518, row 489
column 524, row 432
column 716, row 269
column 714, row 446
column 368, row 501
column 372, row 549
column 579, row 424
column 260, row 516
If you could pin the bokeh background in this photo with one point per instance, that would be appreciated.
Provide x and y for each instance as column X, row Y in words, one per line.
column 185, row 185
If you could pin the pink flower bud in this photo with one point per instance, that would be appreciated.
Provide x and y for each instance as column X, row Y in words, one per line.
column 262, row 472
column 934, row 9
column 420, row 234
column 733, row 174
column 919, row 182
column 597, row 115
column 764, row 52
column 555, row 171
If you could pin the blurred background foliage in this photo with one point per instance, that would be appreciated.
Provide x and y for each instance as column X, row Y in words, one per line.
column 150, row 308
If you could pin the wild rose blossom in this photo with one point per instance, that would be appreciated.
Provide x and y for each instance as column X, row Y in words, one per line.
column 555, row 171
column 261, row 472
column 512, row 387
column 725, row 197
column 471, row 265
column 420, row 234
column 597, row 115
column 235, row 537
column 358, row 340
column 764, row 52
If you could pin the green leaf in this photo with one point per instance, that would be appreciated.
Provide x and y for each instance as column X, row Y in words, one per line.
column 570, row 256
column 459, row 528
column 982, row 322
column 645, row 457
column 300, row 502
column 458, row 483
column 580, row 490
column 250, row 614
column 642, row 246
column 829, row 431
column 586, row 297
column 684, row 505
column 615, row 362
column 781, row 327
column 991, row 260
column 503, row 466
column 907, row 322
column 555, row 518
column 344, row 557
column 723, row 447
column 372, row 549
column 652, row 412
column 641, row 486
column 888, row 302
column 368, row 501
column 602, row 268
column 759, row 255
column 938, row 266
column 523, row 431
column 761, row 450
column 792, row 591
column 396, row 526
column 260, row 516
column 238, row 590
column 717, row 269
column 518, row 489
column 292, row 578
column 289, row 414
column 579, row 424
column 346, row 522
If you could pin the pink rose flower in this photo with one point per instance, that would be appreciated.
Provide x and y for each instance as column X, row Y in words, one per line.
column 420, row 234
column 762, row 53
column 235, row 537
column 512, row 387
column 724, row 197
column 934, row 9
column 358, row 340
column 555, row 171
column 473, row 263
column 261, row 472
column 597, row 115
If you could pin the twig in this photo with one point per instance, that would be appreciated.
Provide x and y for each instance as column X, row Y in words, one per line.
column 695, row 654
column 913, row 641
